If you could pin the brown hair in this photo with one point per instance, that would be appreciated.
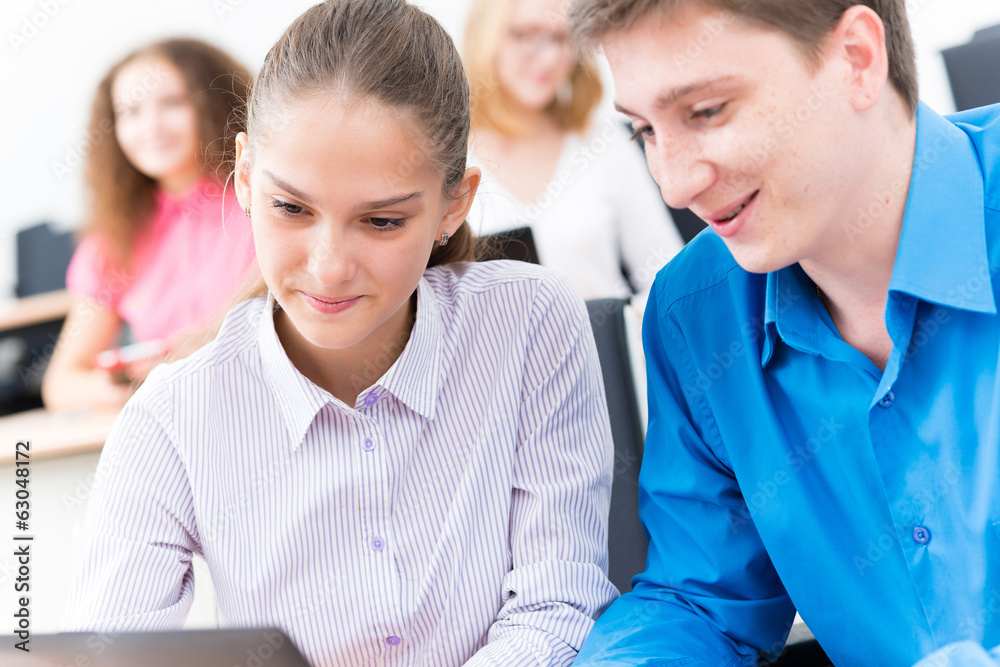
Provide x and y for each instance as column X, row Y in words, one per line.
column 806, row 22
column 386, row 51
column 123, row 198
column 485, row 32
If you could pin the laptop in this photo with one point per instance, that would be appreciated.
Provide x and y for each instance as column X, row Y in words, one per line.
column 187, row 648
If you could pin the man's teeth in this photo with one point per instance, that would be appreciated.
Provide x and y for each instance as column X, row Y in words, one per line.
column 736, row 212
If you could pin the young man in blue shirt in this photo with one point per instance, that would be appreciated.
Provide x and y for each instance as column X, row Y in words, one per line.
column 823, row 363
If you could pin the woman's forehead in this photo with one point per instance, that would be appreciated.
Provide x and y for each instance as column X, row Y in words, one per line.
column 142, row 76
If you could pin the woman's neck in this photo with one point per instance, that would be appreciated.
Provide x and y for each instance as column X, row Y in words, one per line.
column 347, row 372
column 179, row 184
column 533, row 123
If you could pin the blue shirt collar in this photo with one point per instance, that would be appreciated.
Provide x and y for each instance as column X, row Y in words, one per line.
column 942, row 255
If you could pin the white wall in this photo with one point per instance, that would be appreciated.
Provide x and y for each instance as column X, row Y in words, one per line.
column 48, row 79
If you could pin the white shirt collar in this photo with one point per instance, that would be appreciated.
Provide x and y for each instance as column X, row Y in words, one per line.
column 414, row 378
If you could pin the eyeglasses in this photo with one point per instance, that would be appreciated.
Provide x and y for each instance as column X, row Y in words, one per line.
column 534, row 40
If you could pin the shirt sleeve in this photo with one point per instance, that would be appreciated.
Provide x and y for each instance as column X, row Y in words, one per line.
column 93, row 274
column 562, row 491
column 709, row 594
column 647, row 234
column 962, row 654
column 132, row 560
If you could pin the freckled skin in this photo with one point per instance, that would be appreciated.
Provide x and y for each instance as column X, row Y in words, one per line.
column 807, row 146
column 786, row 130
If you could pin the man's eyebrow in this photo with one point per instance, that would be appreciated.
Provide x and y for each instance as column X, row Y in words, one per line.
column 667, row 98
column 372, row 205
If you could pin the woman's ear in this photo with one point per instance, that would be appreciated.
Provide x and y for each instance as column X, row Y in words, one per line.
column 461, row 202
column 241, row 177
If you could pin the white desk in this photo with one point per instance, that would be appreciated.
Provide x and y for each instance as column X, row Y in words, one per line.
column 55, row 433
column 48, row 307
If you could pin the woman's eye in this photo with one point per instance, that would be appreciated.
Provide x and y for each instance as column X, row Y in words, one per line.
column 285, row 208
column 383, row 224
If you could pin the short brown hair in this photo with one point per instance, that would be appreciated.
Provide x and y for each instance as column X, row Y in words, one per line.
column 485, row 30
column 806, row 22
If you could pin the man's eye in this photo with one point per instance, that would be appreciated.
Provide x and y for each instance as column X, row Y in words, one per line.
column 710, row 112
column 644, row 132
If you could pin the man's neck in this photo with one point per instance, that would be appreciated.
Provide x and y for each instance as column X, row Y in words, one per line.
column 853, row 268
column 853, row 262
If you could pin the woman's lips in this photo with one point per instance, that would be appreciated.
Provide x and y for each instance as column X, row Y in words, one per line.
column 330, row 305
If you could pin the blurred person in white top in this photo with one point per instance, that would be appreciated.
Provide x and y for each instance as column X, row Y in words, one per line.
column 594, row 211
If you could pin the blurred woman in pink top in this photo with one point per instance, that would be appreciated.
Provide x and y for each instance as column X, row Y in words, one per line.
column 166, row 245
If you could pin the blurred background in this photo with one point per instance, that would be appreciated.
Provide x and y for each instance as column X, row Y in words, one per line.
column 54, row 52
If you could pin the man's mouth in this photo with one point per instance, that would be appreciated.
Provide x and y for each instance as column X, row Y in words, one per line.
column 739, row 209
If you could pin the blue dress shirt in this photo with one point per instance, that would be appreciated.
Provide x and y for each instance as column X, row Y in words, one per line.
column 784, row 471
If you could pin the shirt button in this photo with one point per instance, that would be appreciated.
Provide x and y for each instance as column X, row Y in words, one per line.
column 887, row 400
column 368, row 444
column 371, row 399
column 921, row 535
column 378, row 544
column 393, row 640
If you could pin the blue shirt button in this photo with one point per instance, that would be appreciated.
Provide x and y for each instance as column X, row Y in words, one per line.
column 921, row 535
column 371, row 399
column 378, row 543
column 393, row 640
column 887, row 400
column 368, row 444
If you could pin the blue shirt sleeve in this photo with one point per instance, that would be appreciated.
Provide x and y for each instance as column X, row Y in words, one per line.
column 709, row 594
column 962, row 654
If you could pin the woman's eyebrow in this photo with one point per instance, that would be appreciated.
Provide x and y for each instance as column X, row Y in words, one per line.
column 392, row 201
column 381, row 203
column 295, row 192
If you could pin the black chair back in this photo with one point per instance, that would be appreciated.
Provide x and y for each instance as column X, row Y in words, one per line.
column 974, row 70
column 626, row 540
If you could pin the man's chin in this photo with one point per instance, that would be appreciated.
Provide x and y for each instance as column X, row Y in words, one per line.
column 758, row 260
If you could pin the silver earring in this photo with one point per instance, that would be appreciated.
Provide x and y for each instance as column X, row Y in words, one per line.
column 247, row 211
column 444, row 238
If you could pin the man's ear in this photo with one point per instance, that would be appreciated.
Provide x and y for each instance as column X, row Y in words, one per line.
column 461, row 203
column 241, row 176
column 860, row 40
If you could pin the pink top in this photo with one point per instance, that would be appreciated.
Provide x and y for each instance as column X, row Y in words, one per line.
column 185, row 270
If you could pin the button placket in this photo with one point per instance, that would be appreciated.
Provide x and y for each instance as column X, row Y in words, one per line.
column 887, row 400
column 374, row 461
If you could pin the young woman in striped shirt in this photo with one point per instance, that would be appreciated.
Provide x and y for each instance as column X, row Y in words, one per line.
column 397, row 455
